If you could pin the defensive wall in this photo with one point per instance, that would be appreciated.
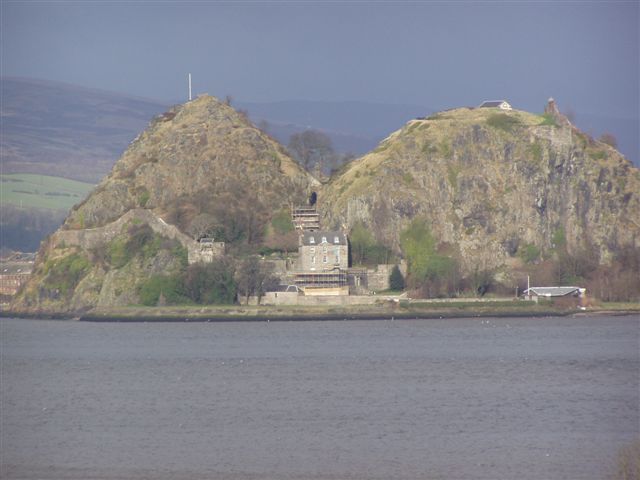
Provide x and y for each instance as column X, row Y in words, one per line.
column 94, row 237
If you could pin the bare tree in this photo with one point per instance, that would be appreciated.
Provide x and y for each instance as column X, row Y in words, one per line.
column 310, row 148
column 255, row 278
column 609, row 139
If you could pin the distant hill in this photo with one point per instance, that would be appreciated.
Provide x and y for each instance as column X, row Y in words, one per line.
column 355, row 127
column 65, row 130
column 358, row 127
column 75, row 132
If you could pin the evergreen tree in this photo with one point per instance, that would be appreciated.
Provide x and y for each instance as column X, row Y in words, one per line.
column 396, row 280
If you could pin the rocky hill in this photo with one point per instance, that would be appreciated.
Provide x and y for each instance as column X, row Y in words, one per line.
column 491, row 183
column 201, row 167
column 494, row 188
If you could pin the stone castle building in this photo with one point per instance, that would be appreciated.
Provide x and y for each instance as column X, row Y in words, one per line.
column 322, row 250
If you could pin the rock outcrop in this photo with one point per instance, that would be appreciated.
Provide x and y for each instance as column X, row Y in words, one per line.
column 490, row 182
column 200, row 169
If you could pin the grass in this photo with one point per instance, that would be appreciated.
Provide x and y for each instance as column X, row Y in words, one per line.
column 535, row 149
column 41, row 191
column 503, row 121
column 452, row 175
column 598, row 154
column 547, row 119
column 408, row 179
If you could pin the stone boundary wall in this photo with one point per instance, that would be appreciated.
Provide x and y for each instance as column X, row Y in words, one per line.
column 93, row 237
column 292, row 298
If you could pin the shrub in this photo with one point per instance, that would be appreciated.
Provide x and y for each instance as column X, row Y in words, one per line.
column 281, row 222
column 559, row 238
column 169, row 287
column 396, row 280
column 141, row 240
column 548, row 119
column 117, row 254
column 364, row 248
column 609, row 139
column 143, row 198
column 529, row 253
column 503, row 121
column 434, row 274
column 211, row 283
column 445, row 150
column 535, row 149
column 418, row 246
column 408, row 179
column 64, row 274
column 181, row 254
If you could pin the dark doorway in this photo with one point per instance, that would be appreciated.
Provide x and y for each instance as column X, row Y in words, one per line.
column 313, row 198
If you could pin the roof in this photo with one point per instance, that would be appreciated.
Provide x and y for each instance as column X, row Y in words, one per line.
column 16, row 268
column 330, row 236
column 285, row 288
column 492, row 103
column 553, row 291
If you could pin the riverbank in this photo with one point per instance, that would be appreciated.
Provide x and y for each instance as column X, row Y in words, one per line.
column 384, row 311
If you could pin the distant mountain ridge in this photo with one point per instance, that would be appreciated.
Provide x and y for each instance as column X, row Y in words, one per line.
column 76, row 132
column 65, row 130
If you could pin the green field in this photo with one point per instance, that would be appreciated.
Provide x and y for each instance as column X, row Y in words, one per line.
column 41, row 191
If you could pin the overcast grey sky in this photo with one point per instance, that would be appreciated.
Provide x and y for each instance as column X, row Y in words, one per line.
column 440, row 55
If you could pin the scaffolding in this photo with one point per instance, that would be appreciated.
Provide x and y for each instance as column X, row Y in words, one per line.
column 305, row 218
column 334, row 278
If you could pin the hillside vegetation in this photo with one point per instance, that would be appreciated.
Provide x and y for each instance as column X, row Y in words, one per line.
column 202, row 167
column 473, row 200
column 499, row 192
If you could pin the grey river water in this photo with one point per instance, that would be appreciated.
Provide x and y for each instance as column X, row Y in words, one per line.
column 527, row 398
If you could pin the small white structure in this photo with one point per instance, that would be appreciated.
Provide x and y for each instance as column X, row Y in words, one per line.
column 501, row 104
column 554, row 292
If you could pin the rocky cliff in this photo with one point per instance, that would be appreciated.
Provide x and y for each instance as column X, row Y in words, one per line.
column 200, row 169
column 489, row 183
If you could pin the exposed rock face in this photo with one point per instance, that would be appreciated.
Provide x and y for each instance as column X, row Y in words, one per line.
column 201, row 149
column 490, row 182
column 198, row 167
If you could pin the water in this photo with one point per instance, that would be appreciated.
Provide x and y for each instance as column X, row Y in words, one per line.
column 545, row 398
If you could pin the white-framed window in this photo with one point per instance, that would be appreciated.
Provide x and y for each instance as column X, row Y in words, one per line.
column 336, row 239
column 324, row 249
column 313, row 259
column 324, row 259
column 324, row 239
column 312, row 240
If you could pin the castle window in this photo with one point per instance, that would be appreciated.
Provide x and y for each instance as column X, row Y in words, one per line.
column 336, row 240
column 313, row 259
column 312, row 240
column 324, row 259
column 312, row 249
column 324, row 239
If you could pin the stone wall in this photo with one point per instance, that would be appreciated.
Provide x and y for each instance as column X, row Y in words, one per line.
column 94, row 237
column 291, row 298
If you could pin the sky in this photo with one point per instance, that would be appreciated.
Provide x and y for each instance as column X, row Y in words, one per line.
column 436, row 54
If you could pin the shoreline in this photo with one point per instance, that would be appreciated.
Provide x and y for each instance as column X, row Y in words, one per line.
column 241, row 313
